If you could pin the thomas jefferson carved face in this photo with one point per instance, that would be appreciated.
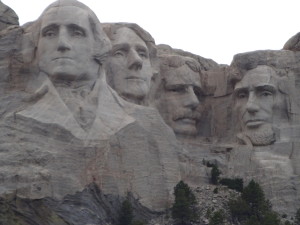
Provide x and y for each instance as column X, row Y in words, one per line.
column 257, row 99
column 129, row 69
column 179, row 100
column 66, row 44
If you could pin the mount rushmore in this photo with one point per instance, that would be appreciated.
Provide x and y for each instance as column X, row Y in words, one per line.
column 89, row 106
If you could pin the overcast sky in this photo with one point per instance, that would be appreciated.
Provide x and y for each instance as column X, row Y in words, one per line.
column 216, row 29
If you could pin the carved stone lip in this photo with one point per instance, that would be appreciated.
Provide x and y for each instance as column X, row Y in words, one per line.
column 254, row 122
column 187, row 120
column 62, row 57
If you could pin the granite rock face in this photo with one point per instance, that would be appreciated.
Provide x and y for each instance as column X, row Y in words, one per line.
column 91, row 113
column 7, row 17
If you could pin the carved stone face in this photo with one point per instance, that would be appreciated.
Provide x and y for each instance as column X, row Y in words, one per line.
column 257, row 98
column 129, row 69
column 66, row 45
column 179, row 100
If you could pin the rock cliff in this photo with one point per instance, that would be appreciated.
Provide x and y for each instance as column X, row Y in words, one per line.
column 93, row 112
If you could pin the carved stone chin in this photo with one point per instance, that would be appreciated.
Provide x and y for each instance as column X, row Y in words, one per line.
column 258, row 137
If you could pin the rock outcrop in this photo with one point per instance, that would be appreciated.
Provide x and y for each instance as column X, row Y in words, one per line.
column 7, row 17
column 73, row 146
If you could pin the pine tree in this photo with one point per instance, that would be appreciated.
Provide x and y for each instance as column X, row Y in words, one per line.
column 255, row 198
column 217, row 218
column 184, row 207
column 215, row 173
column 252, row 208
column 297, row 217
column 126, row 213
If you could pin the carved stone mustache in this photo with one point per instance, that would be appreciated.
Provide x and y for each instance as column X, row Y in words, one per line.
column 186, row 114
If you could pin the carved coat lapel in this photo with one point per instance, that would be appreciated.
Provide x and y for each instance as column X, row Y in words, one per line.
column 50, row 109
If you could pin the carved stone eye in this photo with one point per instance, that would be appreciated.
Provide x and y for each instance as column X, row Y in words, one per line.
column 78, row 33
column 242, row 95
column 178, row 89
column 266, row 93
column 119, row 53
column 50, row 33
column 143, row 54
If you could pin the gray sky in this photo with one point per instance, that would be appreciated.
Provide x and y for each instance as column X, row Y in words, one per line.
column 215, row 29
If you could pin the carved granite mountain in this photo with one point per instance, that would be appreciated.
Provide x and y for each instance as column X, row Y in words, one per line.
column 72, row 147
column 7, row 17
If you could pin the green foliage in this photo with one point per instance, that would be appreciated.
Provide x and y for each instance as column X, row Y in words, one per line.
column 208, row 213
column 288, row 223
column 297, row 217
column 184, row 207
column 126, row 213
column 215, row 174
column 252, row 208
column 138, row 222
column 252, row 220
column 255, row 198
column 7, row 214
column 208, row 164
column 216, row 190
column 218, row 218
column 234, row 184
column 270, row 218
column 239, row 209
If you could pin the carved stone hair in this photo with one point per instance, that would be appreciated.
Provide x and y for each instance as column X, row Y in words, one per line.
column 111, row 28
column 176, row 61
column 247, row 61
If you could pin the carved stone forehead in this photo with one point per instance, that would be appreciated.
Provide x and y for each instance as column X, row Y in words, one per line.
column 126, row 35
column 261, row 75
column 66, row 3
column 182, row 76
column 66, row 15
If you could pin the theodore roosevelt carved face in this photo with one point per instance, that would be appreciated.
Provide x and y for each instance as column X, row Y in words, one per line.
column 179, row 95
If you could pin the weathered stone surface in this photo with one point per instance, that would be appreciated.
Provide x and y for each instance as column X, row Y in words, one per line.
column 89, row 206
column 71, row 147
column 7, row 17
column 272, row 166
column 293, row 43
column 63, row 127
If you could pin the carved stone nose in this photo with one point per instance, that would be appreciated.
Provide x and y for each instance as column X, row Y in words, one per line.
column 134, row 60
column 252, row 105
column 63, row 41
column 191, row 100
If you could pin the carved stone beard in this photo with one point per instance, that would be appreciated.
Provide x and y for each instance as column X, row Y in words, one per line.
column 265, row 135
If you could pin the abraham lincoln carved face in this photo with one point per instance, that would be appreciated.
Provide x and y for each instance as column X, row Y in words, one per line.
column 258, row 102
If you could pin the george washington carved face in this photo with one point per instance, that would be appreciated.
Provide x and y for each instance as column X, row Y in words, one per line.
column 66, row 44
